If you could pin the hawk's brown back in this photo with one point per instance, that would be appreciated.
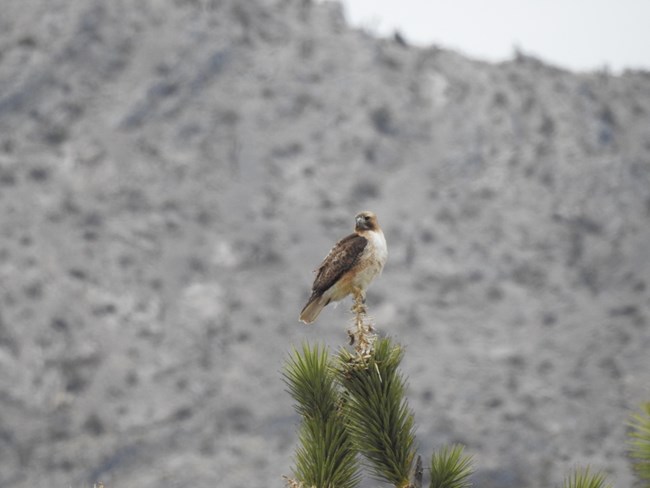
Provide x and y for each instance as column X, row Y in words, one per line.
column 342, row 258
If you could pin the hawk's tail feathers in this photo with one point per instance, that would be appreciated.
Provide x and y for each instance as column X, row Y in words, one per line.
column 313, row 308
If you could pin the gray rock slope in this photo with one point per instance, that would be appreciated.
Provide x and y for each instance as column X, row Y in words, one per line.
column 170, row 174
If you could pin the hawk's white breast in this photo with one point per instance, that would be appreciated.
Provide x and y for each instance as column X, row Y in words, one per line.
column 373, row 258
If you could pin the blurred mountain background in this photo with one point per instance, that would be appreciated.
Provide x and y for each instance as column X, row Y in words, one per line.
column 172, row 172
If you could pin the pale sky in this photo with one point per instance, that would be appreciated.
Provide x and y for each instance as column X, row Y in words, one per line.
column 575, row 34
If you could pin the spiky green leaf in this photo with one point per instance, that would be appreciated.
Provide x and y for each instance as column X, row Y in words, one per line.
column 450, row 468
column 582, row 478
column 325, row 457
column 639, row 439
column 378, row 416
column 312, row 382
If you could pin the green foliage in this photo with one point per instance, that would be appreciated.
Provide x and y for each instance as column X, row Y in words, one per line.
column 325, row 457
column 357, row 404
column 639, row 437
column 312, row 382
column 377, row 414
column 582, row 478
column 450, row 468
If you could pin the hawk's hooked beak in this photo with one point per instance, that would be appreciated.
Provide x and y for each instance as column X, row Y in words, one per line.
column 362, row 222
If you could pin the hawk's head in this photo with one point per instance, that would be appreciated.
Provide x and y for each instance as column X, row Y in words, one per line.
column 366, row 221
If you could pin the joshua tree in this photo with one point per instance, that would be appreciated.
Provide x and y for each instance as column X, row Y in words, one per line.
column 354, row 412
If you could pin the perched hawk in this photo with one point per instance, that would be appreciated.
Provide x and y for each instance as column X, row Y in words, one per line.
column 349, row 267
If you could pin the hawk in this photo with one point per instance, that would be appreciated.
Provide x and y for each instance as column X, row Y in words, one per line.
column 349, row 267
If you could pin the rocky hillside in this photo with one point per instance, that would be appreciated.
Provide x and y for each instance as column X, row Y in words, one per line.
column 170, row 174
